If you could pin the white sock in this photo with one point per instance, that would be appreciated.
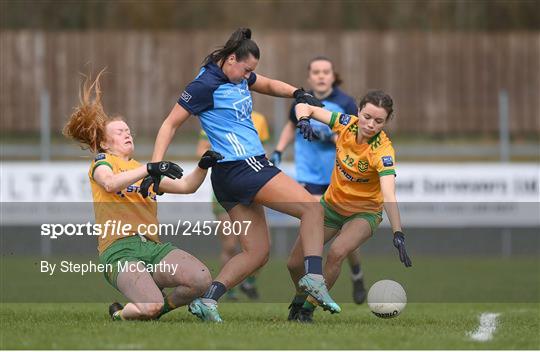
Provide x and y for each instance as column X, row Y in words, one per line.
column 317, row 276
column 208, row 301
column 355, row 277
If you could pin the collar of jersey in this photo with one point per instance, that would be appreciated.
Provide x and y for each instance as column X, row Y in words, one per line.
column 333, row 94
column 216, row 70
column 374, row 138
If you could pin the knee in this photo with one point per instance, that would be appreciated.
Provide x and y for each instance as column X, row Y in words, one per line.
column 262, row 258
column 150, row 310
column 259, row 256
column 200, row 281
column 229, row 249
column 337, row 255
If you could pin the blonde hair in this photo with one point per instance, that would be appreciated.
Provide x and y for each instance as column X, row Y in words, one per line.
column 87, row 123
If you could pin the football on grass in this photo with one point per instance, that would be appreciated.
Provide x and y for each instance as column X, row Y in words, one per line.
column 386, row 299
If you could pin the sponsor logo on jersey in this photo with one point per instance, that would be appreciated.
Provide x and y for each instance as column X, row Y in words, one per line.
column 387, row 160
column 243, row 108
column 100, row 156
column 185, row 96
column 344, row 119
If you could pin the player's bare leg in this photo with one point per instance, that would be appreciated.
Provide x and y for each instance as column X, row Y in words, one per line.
column 299, row 204
column 305, row 207
column 357, row 277
column 143, row 293
column 191, row 279
column 295, row 264
column 229, row 248
column 353, row 234
column 255, row 244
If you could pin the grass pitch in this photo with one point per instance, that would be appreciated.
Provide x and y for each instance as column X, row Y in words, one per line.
column 446, row 298
column 264, row 326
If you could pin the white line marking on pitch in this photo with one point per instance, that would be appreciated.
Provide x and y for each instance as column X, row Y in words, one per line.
column 488, row 325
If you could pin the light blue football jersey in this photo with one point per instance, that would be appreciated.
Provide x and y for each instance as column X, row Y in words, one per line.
column 224, row 109
column 314, row 160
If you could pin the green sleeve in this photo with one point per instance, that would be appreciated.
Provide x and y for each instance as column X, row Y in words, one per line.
column 98, row 164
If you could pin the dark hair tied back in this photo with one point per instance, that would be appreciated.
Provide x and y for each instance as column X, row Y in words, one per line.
column 379, row 99
column 239, row 43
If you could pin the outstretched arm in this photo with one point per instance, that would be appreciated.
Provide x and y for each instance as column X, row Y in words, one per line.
column 176, row 118
column 186, row 185
column 319, row 114
column 268, row 86
column 388, row 188
column 112, row 183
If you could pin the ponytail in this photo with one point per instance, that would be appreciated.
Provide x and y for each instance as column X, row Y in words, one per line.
column 239, row 43
column 87, row 123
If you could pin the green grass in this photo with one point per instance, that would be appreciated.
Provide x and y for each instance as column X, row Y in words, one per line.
column 264, row 326
column 446, row 296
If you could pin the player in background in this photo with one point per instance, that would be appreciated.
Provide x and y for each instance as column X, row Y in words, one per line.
column 363, row 182
column 115, row 178
column 230, row 243
column 245, row 181
column 314, row 160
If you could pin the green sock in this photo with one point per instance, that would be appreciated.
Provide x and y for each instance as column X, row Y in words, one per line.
column 308, row 305
column 117, row 316
column 299, row 298
column 251, row 280
column 167, row 307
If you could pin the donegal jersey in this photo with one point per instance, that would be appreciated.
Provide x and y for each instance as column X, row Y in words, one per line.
column 314, row 160
column 355, row 185
column 224, row 109
column 260, row 123
column 123, row 207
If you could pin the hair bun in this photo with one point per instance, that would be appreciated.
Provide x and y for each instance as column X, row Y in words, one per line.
column 246, row 33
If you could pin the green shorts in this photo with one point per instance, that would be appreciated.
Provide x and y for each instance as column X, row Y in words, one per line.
column 132, row 249
column 336, row 221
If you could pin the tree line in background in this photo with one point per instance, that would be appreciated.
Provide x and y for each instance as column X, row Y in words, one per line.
column 421, row 15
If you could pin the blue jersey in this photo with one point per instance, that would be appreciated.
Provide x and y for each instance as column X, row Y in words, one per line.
column 315, row 160
column 224, row 109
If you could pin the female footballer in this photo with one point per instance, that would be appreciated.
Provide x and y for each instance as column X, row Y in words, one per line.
column 115, row 179
column 229, row 243
column 245, row 181
column 363, row 182
column 324, row 82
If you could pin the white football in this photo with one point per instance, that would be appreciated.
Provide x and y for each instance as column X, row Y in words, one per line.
column 386, row 299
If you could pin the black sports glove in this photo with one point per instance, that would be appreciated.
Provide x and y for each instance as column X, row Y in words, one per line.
column 209, row 159
column 301, row 96
column 305, row 128
column 275, row 158
column 155, row 172
column 147, row 182
column 399, row 243
column 164, row 168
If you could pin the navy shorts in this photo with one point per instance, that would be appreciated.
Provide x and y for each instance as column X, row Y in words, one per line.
column 237, row 182
column 314, row 188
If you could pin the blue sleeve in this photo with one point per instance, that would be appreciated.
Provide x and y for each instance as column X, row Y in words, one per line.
column 252, row 78
column 197, row 97
column 351, row 108
column 292, row 115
